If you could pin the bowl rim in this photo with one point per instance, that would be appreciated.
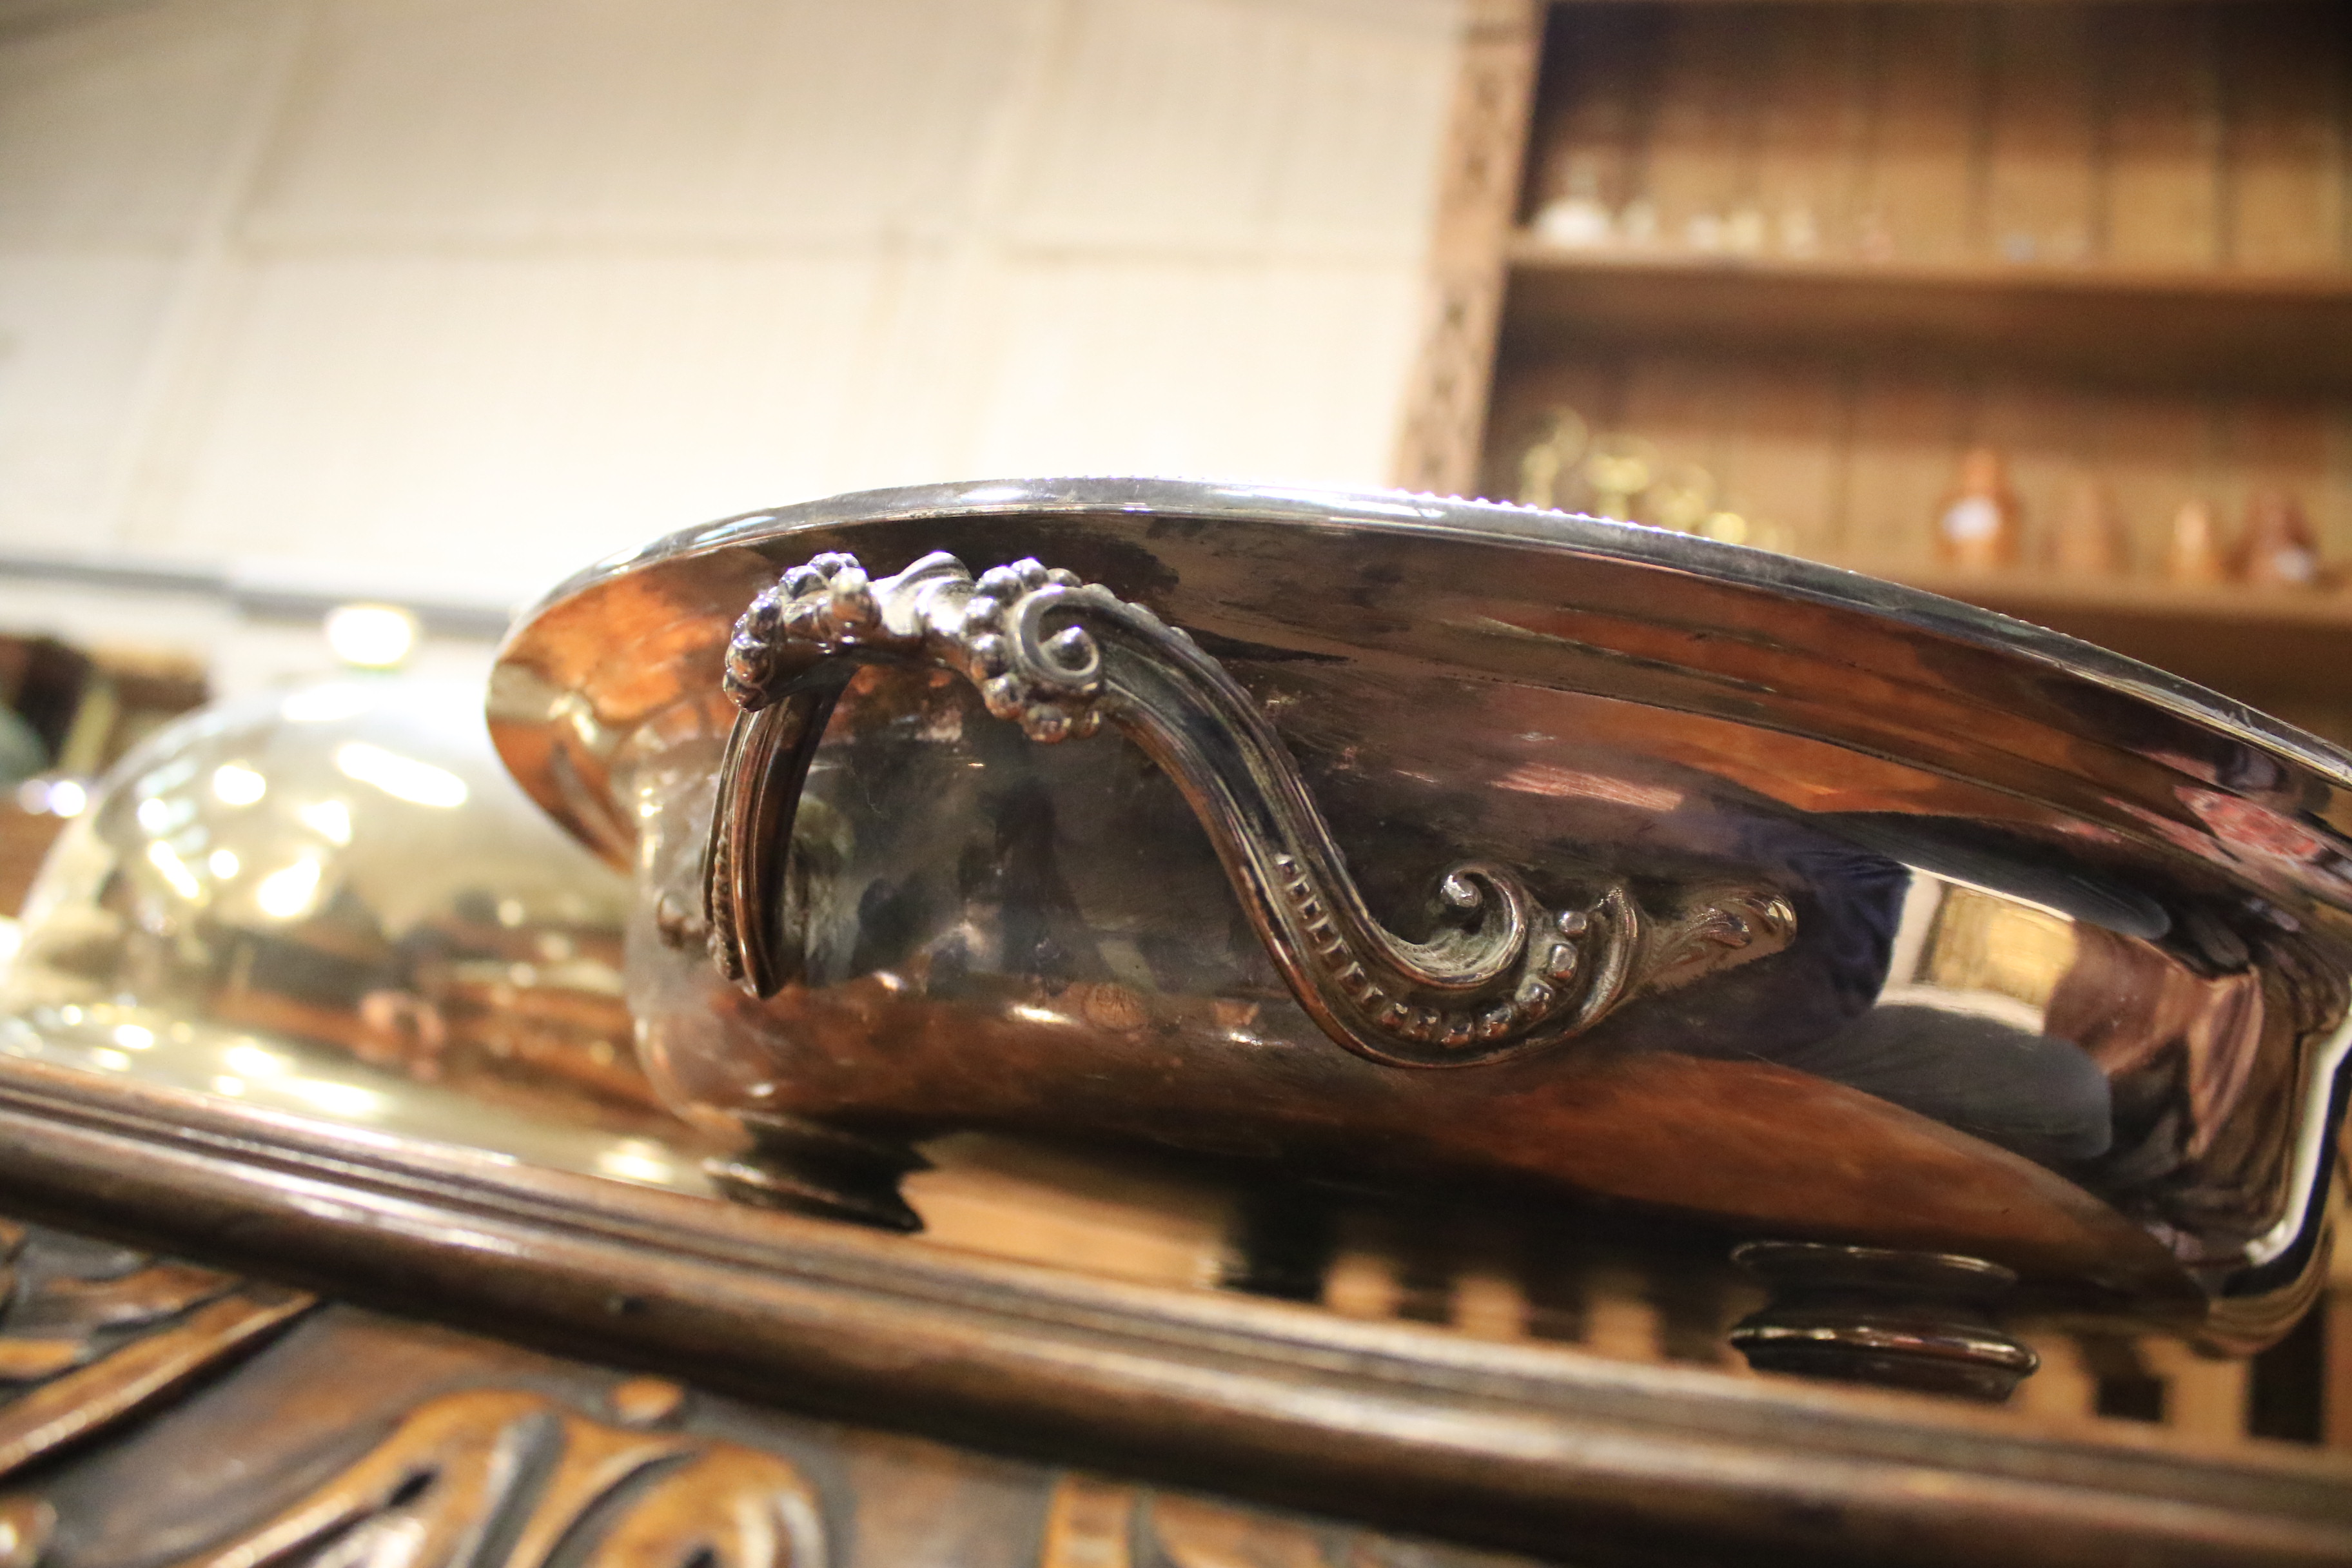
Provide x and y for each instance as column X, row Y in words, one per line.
column 1505, row 524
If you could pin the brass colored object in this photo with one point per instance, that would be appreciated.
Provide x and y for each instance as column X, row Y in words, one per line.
column 1978, row 526
column 1683, row 499
column 2277, row 548
column 2193, row 552
column 1619, row 469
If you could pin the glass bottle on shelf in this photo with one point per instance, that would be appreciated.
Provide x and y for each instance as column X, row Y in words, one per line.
column 1577, row 218
column 2278, row 549
column 2193, row 553
column 2092, row 539
column 1976, row 526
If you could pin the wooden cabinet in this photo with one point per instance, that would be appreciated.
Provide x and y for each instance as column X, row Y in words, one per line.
column 1808, row 253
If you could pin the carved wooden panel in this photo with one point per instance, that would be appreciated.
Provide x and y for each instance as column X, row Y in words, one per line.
column 165, row 1414
column 1508, row 1447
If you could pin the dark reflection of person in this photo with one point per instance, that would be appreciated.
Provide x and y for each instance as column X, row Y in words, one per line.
column 973, row 858
column 2204, row 1064
column 1818, row 1010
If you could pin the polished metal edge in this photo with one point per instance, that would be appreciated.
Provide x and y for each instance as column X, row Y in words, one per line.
column 1495, row 522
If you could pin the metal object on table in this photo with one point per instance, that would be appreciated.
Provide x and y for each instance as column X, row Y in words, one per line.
column 1522, row 978
column 1997, row 945
column 1863, row 1314
column 331, row 900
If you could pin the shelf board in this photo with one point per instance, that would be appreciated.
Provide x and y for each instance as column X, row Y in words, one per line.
column 2274, row 331
column 2271, row 648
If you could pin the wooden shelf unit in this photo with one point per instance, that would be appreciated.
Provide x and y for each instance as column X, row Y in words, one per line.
column 1825, row 247
column 2135, row 327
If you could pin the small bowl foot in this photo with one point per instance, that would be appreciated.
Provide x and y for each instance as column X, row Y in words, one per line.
column 1921, row 1320
column 809, row 1167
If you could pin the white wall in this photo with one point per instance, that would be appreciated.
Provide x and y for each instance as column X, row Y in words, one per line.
column 461, row 294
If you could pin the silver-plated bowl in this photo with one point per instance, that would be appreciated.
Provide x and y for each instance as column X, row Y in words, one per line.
column 1432, row 841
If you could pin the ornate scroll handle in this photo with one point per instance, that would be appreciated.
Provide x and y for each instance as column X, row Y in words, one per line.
column 1502, row 977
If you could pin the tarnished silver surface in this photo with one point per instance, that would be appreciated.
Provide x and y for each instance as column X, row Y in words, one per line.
column 1522, row 978
column 331, row 901
column 2064, row 987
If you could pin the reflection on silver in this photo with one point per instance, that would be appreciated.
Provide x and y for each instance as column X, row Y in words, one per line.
column 1522, row 978
column 333, row 902
column 2064, row 988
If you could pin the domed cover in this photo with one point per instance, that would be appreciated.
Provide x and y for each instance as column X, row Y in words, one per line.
column 332, row 898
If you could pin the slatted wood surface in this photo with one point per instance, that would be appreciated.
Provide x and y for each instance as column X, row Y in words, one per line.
column 2129, row 136
column 1820, row 250
column 1853, row 455
column 1488, row 1277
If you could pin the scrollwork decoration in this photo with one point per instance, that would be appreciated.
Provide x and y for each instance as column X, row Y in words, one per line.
column 1501, row 975
column 80, row 1353
column 514, row 1480
column 1094, row 1522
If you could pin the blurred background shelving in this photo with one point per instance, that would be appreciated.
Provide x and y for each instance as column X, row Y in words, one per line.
column 1817, row 251
column 2129, row 328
